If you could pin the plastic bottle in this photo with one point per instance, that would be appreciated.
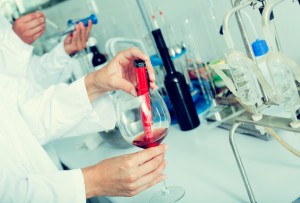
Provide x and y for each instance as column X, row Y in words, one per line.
column 283, row 82
column 245, row 82
column 261, row 49
column 177, row 88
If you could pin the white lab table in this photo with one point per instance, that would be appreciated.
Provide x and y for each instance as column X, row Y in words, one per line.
column 202, row 162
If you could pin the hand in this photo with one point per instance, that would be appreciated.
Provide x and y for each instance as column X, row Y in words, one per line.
column 118, row 74
column 76, row 41
column 30, row 27
column 125, row 175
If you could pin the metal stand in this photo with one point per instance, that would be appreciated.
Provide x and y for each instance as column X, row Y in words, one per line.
column 266, row 121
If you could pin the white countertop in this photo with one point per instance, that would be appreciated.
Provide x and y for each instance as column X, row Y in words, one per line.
column 202, row 162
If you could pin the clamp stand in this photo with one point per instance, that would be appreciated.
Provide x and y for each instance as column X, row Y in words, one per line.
column 266, row 121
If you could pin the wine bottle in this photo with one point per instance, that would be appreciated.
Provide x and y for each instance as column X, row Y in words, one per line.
column 177, row 88
column 98, row 58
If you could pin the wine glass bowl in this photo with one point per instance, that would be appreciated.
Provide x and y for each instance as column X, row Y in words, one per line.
column 130, row 112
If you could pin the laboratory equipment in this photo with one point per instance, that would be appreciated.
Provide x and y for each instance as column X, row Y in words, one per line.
column 175, row 83
column 242, row 68
column 97, row 58
column 260, row 49
column 177, row 88
column 71, row 25
column 280, row 66
column 143, row 89
column 193, row 56
column 130, row 113
column 265, row 90
column 175, row 49
column 268, row 122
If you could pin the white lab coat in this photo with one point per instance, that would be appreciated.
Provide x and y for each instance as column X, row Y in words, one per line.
column 26, row 172
column 19, row 61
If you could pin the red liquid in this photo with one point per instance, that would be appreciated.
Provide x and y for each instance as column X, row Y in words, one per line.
column 158, row 136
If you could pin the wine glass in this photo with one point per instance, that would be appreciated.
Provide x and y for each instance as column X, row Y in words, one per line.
column 134, row 114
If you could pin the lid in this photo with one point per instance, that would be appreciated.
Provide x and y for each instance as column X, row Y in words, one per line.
column 260, row 47
column 92, row 41
column 139, row 63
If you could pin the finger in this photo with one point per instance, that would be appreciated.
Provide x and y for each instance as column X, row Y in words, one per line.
column 77, row 42
column 74, row 37
column 150, row 177
column 135, row 53
column 88, row 30
column 82, row 36
column 151, row 73
column 35, row 23
column 148, row 154
column 29, row 17
column 122, row 84
column 131, row 74
column 38, row 35
column 150, row 166
column 35, row 30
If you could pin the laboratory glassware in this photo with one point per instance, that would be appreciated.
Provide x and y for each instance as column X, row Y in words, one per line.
column 72, row 23
column 241, row 68
column 144, row 122
column 177, row 88
column 281, row 70
column 193, row 54
column 131, row 113
column 97, row 57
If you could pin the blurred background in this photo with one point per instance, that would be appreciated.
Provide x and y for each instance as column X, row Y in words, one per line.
column 122, row 18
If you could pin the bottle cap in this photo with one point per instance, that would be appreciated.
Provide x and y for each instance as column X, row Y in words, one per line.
column 139, row 63
column 260, row 47
column 92, row 41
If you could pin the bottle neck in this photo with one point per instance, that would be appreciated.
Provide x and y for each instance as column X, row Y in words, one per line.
column 163, row 51
column 94, row 50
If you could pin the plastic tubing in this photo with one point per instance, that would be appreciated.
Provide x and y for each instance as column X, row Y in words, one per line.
column 266, row 22
column 251, row 24
column 227, row 34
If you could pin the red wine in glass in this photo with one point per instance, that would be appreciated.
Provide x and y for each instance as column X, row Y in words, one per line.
column 158, row 136
column 132, row 114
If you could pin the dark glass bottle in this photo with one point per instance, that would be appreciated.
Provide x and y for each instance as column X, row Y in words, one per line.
column 177, row 88
column 98, row 58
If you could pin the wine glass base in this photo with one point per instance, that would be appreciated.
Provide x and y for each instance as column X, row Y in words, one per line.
column 168, row 195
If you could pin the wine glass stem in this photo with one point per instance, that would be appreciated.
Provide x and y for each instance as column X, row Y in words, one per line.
column 165, row 188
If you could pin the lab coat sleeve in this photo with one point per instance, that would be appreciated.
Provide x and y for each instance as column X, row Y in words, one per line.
column 62, row 186
column 51, row 68
column 14, row 53
column 64, row 110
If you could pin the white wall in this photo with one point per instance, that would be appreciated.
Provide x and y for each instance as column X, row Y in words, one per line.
column 122, row 18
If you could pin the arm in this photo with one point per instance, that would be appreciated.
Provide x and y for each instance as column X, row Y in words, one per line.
column 125, row 175
column 62, row 187
column 14, row 53
column 55, row 66
column 66, row 109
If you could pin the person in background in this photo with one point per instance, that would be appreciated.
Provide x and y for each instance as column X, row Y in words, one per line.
column 17, row 58
column 31, row 116
column 16, row 50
